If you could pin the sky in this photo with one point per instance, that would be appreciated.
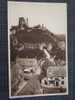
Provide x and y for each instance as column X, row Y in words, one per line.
column 52, row 15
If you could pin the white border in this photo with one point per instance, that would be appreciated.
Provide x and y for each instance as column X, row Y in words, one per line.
column 9, row 70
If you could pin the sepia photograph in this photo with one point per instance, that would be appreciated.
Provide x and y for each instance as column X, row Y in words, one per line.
column 37, row 49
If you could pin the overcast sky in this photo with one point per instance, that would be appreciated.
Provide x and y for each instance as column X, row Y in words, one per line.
column 52, row 15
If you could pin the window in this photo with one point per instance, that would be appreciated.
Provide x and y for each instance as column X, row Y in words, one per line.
column 62, row 77
column 62, row 82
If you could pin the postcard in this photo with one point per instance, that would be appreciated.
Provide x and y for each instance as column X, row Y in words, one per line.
column 37, row 49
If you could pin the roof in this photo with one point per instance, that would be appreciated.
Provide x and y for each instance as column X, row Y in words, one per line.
column 57, row 71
